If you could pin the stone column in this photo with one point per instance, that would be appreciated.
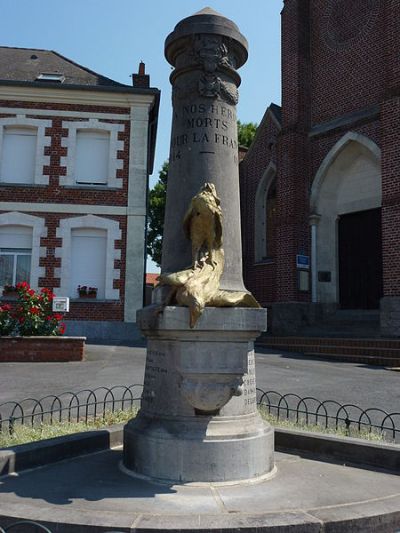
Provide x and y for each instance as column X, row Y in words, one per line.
column 205, row 49
column 198, row 420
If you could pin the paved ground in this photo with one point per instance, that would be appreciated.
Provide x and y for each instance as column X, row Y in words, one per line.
column 304, row 493
column 366, row 386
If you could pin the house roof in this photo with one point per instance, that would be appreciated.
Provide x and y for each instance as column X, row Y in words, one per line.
column 26, row 64
column 23, row 67
column 151, row 279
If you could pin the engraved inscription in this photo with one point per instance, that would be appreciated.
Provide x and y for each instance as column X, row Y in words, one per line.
column 204, row 125
column 155, row 368
column 249, row 383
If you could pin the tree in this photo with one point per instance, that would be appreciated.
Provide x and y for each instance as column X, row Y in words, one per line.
column 155, row 224
column 246, row 133
column 158, row 194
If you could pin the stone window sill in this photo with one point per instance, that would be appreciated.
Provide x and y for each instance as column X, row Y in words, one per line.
column 92, row 187
column 24, row 185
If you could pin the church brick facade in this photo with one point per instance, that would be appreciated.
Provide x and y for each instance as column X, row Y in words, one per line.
column 321, row 182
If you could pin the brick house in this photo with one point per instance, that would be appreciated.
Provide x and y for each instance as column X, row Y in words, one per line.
column 320, row 185
column 76, row 149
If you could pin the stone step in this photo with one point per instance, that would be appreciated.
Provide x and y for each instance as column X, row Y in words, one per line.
column 361, row 359
column 368, row 351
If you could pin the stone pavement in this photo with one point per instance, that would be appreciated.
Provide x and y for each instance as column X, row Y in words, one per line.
column 362, row 385
column 311, row 495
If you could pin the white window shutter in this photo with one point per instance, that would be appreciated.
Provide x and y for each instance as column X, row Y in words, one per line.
column 88, row 260
column 16, row 237
column 18, row 155
column 92, row 156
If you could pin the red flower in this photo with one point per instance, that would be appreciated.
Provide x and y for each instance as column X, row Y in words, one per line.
column 5, row 307
column 31, row 292
column 57, row 316
column 21, row 319
column 22, row 285
column 62, row 328
column 47, row 292
column 34, row 310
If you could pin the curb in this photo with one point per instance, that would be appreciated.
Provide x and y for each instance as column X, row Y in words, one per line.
column 26, row 456
column 326, row 447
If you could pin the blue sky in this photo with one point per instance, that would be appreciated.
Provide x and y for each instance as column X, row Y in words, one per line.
column 113, row 36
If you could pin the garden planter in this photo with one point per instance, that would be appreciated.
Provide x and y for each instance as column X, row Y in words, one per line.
column 41, row 349
column 10, row 295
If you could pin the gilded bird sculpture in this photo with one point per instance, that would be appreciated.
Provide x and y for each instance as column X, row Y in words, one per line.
column 198, row 286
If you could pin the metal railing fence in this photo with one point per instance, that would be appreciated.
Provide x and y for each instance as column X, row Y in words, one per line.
column 88, row 405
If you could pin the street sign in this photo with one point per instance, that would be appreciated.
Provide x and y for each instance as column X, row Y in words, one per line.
column 303, row 261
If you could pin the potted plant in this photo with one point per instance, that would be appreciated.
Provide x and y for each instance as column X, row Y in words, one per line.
column 82, row 291
column 92, row 292
column 10, row 291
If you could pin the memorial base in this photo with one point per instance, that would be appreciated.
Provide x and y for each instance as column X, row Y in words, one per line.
column 198, row 420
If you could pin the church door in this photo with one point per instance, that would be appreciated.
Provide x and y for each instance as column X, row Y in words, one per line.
column 360, row 260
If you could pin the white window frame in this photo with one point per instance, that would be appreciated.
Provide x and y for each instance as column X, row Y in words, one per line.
column 64, row 232
column 69, row 142
column 38, row 231
column 15, row 252
column 42, row 141
column 90, row 236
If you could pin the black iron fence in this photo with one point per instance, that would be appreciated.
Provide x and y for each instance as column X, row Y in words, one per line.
column 83, row 406
column 88, row 405
column 330, row 414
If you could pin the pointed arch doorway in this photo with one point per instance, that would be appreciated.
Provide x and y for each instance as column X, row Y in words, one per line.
column 347, row 196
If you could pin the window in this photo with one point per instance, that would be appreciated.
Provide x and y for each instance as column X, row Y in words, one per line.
column 18, row 155
column 270, row 219
column 88, row 255
column 92, row 156
column 51, row 76
column 15, row 254
column 265, row 216
column 88, row 260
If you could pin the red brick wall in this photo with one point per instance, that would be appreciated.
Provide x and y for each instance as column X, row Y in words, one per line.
column 347, row 50
column 258, row 278
column 337, row 59
column 55, row 193
column 41, row 349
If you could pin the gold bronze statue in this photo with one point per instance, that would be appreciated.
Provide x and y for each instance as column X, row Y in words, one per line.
column 198, row 286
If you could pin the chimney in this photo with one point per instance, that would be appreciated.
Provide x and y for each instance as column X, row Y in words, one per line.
column 141, row 80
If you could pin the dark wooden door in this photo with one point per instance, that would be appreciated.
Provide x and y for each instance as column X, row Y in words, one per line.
column 360, row 260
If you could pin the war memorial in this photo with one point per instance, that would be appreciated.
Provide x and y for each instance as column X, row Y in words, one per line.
column 198, row 456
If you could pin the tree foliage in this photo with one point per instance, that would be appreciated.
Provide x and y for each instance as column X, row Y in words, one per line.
column 158, row 194
column 157, row 197
column 246, row 133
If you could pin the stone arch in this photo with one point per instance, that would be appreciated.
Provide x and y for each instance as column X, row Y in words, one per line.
column 260, row 213
column 348, row 181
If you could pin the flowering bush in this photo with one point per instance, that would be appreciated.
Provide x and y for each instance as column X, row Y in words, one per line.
column 32, row 315
column 7, row 321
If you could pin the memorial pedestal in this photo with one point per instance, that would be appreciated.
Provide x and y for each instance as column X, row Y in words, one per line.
column 198, row 420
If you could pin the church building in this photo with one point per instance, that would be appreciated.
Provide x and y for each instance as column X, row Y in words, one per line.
column 320, row 184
